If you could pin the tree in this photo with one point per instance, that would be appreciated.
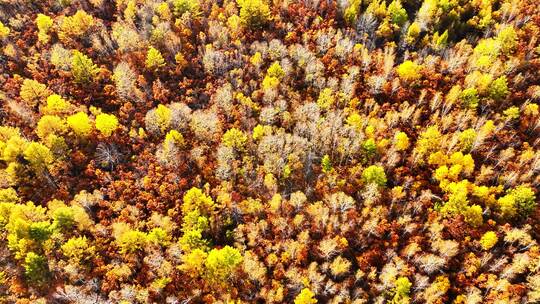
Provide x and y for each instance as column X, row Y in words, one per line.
column 173, row 138
column 158, row 236
column 57, row 105
column 221, row 263
column 184, row 6
column 409, row 71
column 401, row 291
column 131, row 241
column 205, row 125
column 196, row 210
column 154, row 59
column 33, row 92
column 437, row 289
column 413, row 32
column 401, row 141
column 275, row 70
column 38, row 155
column 4, row 31
column 259, row 131
column 78, row 249
column 50, row 124
column 440, row 41
column 164, row 117
column 254, row 13
column 507, row 37
column 35, row 267
column 192, row 238
column 326, row 99
column 63, row 218
column 374, row 174
column 473, row 215
column 256, row 59
column 467, row 139
column 369, row 146
column 44, row 24
column 326, row 164
column 170, row 150
column 524, row 199
column 488, row 240
column 397, row 13
column 274, row 74
column 40, row 231
column 195, row 199
column 512, row 113
column 270, row 82
column 340, row 266
column 531, row 109
column 13, row 148
column 428, row 141
column 498, row 90
column 234, row 138
column 124, row 78
column 83, row 68
column 507, row 206
column 306, row 296
column 106, row 124
column 60, row 57
column 352, row 11
column 193, row 263
column 80, row 124
column 75, row 26
column 159, row 120
column 8, row 195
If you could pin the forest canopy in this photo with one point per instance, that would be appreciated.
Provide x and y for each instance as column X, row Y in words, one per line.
column 269, row 151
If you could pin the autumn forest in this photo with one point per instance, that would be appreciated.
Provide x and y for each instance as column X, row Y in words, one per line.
column 269, row 151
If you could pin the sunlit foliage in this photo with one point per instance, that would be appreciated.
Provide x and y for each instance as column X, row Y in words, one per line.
column 257, row 151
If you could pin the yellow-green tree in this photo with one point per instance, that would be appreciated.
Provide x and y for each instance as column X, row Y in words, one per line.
column 401, row 291
column 254, row 13
column 352, row 11
column 374, row 174
column 507, row 37
column 78, row 249
column 38, row 155
column 195, row 199
column 44, row 24
column 131, row 241
column 154, row 59
column 196, row 209
column 184, row 6
column 35, row 267
column 221, row 263
column 234, row 138
column 326, row 164
column 326, row 99
column 83, row 68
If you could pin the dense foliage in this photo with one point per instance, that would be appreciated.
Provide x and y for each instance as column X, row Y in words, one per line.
column 257, row 151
